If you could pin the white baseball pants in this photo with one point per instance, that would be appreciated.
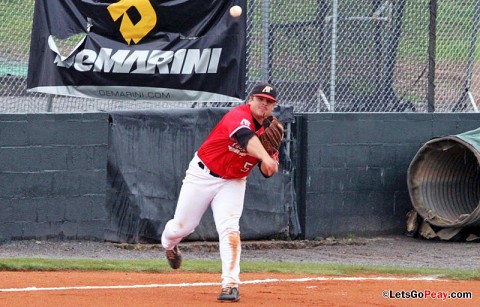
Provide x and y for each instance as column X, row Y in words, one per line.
column 226, row 197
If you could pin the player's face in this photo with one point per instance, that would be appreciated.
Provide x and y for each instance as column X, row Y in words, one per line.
column 261, row 107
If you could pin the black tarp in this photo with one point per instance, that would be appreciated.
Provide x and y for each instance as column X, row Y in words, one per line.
column 148, row 155
column 139, row 50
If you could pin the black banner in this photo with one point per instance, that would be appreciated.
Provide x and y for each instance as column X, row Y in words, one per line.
column 183, row 50
column 148, row 153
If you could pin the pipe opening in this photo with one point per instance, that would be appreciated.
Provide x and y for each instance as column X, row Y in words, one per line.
column 444, row 183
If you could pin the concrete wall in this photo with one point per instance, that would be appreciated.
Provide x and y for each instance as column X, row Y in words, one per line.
column 53, row 175
column 350, row 174
column 353, row 168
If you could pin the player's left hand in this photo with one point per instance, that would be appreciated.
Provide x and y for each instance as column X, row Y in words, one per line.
column 272, row 135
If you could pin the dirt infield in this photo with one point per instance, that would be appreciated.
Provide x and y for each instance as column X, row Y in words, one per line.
column 74, row 288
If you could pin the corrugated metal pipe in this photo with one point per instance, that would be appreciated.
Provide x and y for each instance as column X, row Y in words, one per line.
column 444, row 180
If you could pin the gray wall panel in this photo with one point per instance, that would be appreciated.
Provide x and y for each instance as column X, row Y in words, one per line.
column 354, row 168
column 53, row 175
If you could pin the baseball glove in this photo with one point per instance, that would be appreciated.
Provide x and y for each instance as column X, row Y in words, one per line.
column 272, row 135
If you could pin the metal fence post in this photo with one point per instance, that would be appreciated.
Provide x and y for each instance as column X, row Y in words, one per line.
column 432, row 45
column 49, row 103
column 265, row 41
column 334, row 55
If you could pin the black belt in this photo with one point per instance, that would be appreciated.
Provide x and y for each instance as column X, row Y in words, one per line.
column 202, row 166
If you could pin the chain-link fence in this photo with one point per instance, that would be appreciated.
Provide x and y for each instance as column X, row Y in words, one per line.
column 323, row 55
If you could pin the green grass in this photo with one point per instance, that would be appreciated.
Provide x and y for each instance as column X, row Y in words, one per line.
column 15, row 27
column 37, row 264
column 454, row 29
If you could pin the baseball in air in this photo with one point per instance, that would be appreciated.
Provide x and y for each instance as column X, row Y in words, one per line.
column 235, row 11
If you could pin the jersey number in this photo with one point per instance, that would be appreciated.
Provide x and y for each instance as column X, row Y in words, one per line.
column 246, row 167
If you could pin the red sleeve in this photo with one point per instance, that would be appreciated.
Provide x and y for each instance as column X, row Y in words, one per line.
column 236, row 120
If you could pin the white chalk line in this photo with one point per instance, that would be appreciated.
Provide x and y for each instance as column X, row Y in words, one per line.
column 203, row 284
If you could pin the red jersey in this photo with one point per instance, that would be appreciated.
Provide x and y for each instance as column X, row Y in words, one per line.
column 221, row 153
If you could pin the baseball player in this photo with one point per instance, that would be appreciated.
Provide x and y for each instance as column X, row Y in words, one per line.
column 216, row 177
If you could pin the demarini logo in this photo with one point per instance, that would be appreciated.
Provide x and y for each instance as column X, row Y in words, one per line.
column 129, row 30
column 128, row 61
